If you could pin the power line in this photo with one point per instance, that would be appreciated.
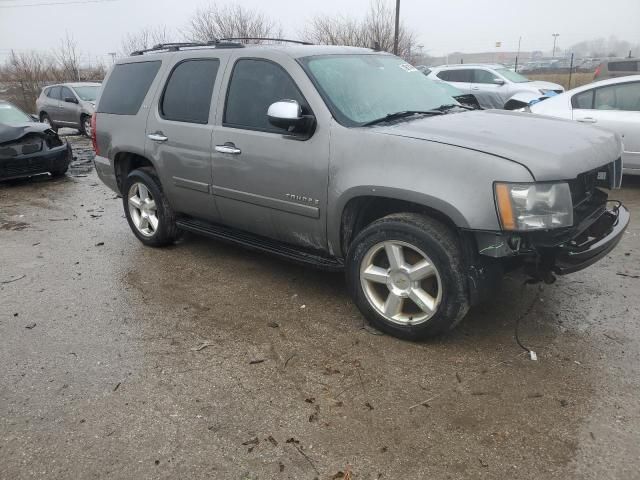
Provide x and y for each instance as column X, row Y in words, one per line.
column 46, row 4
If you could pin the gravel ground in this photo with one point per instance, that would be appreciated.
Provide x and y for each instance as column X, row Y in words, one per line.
column 207, row 361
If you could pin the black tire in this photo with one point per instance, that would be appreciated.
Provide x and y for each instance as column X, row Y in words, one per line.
column 60, row 173
column 44, row 118
column 83, row 130
column 442, row 247
column 167, row 232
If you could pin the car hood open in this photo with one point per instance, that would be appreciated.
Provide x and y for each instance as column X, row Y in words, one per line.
column 551, row 149
column 9, row 133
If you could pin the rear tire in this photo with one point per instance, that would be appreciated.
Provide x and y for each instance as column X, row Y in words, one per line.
column 405, row 273
column 44, row 118
column 85, row 125
column 147, row 209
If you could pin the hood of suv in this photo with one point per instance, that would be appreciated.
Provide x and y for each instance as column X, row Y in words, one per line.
column 551, row 149
column 541, row 85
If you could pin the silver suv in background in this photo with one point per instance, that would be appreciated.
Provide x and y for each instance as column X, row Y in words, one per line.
column 492, row 85
column 351, row 159
column 68, row 105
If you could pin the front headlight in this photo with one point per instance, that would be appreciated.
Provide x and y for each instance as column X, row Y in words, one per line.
column 534, row 206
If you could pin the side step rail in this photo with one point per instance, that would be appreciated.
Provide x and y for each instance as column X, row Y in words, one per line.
column 256, row 242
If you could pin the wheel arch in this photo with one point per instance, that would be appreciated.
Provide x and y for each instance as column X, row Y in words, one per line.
column 363, row 207
column 125, row 162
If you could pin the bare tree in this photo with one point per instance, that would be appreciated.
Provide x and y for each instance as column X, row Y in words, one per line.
column 145, row 38
column 67, row 56
column 228, row 21
column 25, row 73
column 375, row 29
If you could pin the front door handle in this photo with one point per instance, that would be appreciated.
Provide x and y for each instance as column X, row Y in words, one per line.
column 158, row 137
column 587, row 120
column 229, row 148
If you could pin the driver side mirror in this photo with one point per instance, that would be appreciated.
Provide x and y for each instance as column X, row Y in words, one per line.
column 498, row 81
column 70, row 100
column 287, row 114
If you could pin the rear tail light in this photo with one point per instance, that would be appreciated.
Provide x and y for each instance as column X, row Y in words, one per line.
column 597, row 72
column 94, row 133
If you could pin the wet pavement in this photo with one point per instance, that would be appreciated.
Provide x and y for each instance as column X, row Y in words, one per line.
column 204, row 360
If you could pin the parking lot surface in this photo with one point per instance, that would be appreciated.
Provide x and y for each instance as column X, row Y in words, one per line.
column 205, row 360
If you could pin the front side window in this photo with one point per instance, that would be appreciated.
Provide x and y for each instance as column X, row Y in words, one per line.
column 624, row 96
column 66, row 93
column 187, row 96
column 583, row 100
column 483, row 76
column 87, row 94
column 362, row 88
column 512, row 76
column 254, row 86
column 127, row 86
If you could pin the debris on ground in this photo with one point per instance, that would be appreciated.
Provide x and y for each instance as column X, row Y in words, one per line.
column 202, row 346
column 11, row 280
column 255, row 362
column 30, row 326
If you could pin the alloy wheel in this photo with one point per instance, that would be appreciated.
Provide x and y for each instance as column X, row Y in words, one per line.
column 401, row 282
column 143, row 210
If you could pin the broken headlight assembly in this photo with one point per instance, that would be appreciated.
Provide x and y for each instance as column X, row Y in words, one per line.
column 533, row 206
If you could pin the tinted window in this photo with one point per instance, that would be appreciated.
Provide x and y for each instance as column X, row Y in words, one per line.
column 459, row 75
column 54, row 92
column 255, row 85
column 187, row 96
column 483, row 76
column 624, row 96
column 127, row 86
column 629, row 66
column 583, row 100
column 66, row 93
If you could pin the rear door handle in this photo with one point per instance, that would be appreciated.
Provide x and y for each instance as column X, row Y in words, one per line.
column 158, row 137
column 229, row 148
column 587, row 120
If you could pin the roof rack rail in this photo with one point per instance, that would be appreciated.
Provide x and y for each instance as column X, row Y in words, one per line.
column 175, row 46
column 265, row 39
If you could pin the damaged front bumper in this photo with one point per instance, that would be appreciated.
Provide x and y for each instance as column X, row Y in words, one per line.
column 46, row 160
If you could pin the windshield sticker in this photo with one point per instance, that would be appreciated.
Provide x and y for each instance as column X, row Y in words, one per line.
column 408, row 68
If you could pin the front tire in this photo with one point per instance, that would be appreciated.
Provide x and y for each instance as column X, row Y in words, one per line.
column 405, row 274
column 147, row 209
column 85, row 126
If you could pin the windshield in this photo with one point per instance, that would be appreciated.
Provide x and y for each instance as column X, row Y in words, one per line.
column 88, row 94
column 10, row 115
column 361, row 88
column 512, row 76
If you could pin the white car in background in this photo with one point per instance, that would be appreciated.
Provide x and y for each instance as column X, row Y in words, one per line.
column 492, row 85
column 611, row 104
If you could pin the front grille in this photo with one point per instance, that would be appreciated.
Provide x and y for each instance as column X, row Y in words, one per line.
column 23, row 167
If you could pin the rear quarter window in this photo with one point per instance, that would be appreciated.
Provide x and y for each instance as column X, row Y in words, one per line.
column 127, row 86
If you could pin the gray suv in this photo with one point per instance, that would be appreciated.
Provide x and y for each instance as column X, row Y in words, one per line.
column 68, row 105
column 350, row 159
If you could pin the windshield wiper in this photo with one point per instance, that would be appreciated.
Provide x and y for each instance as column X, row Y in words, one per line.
column 449, row 106
column 402, row 114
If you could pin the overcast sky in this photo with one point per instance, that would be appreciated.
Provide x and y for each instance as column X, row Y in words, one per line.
column 442, row 26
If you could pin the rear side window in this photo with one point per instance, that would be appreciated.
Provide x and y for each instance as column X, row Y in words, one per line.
column 254, row 86
column 583, row 100
column 54, row 92
column 624, row 96
column 459, row 75
column 127, row 86
column 187, row 95
column 628, row 66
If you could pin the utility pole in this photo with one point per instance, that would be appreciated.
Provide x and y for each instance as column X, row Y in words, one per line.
column 396, row 36
column 113, row 57
column 518, row 54
column 555, row 39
